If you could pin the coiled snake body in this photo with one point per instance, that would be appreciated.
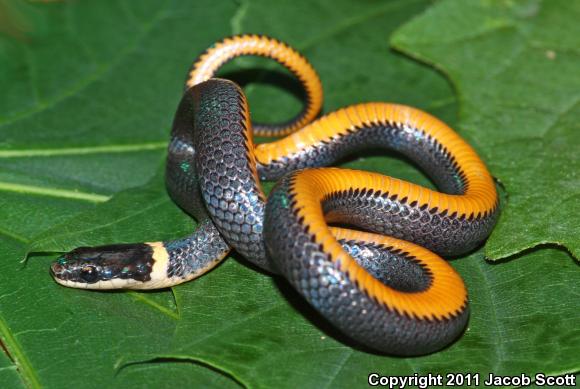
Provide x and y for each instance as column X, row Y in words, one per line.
column 385, row 288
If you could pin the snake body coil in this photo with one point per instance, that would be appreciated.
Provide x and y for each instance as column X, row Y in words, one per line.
column 387, row 293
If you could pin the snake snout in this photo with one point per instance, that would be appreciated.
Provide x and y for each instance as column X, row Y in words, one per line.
column 56, row 269
column 64, row 268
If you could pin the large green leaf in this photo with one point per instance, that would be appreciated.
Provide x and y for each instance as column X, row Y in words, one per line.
column 515, row 67
column 92, row 87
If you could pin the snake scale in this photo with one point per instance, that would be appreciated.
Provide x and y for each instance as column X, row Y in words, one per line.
column 382, row 283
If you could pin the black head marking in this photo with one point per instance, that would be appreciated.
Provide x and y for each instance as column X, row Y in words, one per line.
column 89, row 265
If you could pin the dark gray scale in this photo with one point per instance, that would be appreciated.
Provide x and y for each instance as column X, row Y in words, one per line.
column 191, row 255
column 385, row 213
column 425, row 151
column 393, row 268
column 389, row 215
column 206, row 245
column 181, row 176
column 226, row 168
column 309, row 269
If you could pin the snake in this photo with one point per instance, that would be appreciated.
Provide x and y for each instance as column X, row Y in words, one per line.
column 362, row 248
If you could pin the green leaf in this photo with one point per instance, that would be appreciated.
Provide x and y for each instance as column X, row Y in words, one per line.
column 91, row 88
column 8, row 373
column 515, row 68
column 156, row 219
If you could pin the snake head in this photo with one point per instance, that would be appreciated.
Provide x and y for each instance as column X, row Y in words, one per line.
column 107, row 267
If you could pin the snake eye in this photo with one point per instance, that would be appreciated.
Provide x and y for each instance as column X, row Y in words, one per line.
column 89, row 274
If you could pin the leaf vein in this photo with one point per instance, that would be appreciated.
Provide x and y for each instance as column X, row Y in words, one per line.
column 53, row 192
column 25, row 368
column 141, row 298
column 336, row 372
column 83, row 150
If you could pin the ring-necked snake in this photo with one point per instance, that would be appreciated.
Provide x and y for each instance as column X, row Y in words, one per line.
column 385, row 292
